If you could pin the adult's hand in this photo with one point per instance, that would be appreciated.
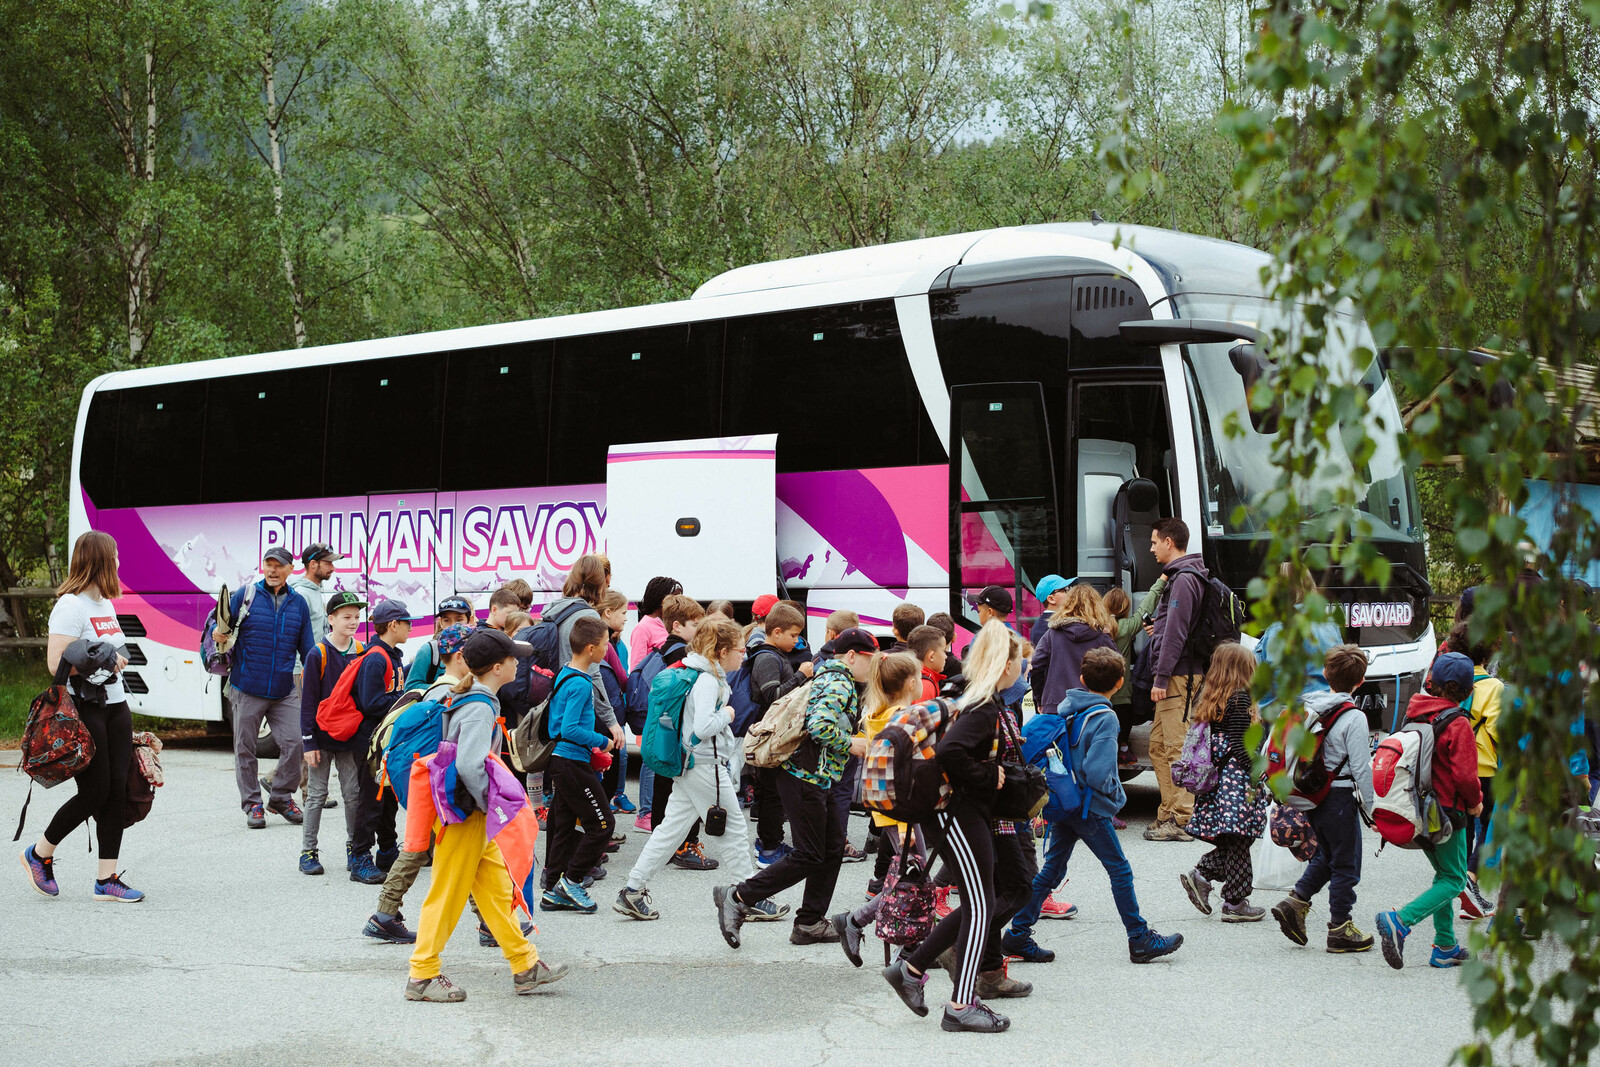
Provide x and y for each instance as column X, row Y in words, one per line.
column 1002, row 780
column 1158, row 693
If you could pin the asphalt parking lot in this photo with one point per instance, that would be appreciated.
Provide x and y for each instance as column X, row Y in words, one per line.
column 235, row 957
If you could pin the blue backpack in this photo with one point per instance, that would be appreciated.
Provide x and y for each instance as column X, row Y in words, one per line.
column 636, row 695
column 741, row 685
column 545, row 637
column 1048, row 742
column 661, row 748
column 418, row 731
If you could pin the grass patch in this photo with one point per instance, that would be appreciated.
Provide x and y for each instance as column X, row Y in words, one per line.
column 23, row 677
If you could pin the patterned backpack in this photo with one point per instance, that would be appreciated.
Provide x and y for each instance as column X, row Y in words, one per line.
column 899, row 776
column 144, row 776
column 1195, row 770
column 56, row 745
column 907, row 914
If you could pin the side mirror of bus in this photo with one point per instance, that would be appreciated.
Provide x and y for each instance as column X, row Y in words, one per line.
column 1252, row 366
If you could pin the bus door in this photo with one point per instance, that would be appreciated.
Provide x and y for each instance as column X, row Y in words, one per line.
column 703, row 511
column 1004, row 526
column 405, row 550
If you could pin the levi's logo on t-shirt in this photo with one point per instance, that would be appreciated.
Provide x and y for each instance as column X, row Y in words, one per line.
column 106, row 627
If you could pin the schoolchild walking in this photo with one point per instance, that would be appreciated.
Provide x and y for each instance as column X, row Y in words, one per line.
column 578, row 797
column 379, row 681
column 466, row 860
column 1347, row 754
column 1456, row 786
column 613, row 608
column 1488, row 696
column 961, row 833
column 711, row 759
column 683, row 617
column 428, row 666
column 84, row 613
column 323, row 754
column 772, row 676
column 1233, row 814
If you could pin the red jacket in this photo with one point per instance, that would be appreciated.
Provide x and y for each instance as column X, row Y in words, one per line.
column 931, row 683
column 1455, row 754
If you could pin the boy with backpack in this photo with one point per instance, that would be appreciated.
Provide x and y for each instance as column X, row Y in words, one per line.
column 927, row 643
column 1345, row 751
column 323, row 753
column 379, row 681
column 772, row 675
column 1454, row 777
column 1083, row 730
column 578, row 797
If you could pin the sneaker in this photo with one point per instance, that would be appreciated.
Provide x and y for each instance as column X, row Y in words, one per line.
column 393, row 930
column 329, row 804
column 363, row 870
column 1474, row 905
column 635, row 904
column 41, row 872
column 768, row 856
column 874, row 887
column 542, row 813
column 613, row 846
column 844, row 924
column 596, row 874
column 1057, row 909
column 1152, row 945
column 765, row 911
column 384, row 858
column 1447, row 957
column 1392, row 932
column 622, row 805
column 309, row 863
column 255, row 816
column 642, row 823
column 1026, row 949
column 1199, row 889
column 908, row 987
column 730, row 913
column 941, row 902
column 999, row 985
column 554, row 900
column 486, row 938
column 871, row 847
column 1166, row 830
column 1346, row 938
column 1243, row 912
column 1475, row 891
column 820, row 932
column 1117, row 823
column 693, row 858
column 577, row 894
column 541, row 973
column 117, row 891
column 437, row 990
column 852, row 854
column 976, row 1018
column 1291, row 914
column 618, row 836
column 288, row 809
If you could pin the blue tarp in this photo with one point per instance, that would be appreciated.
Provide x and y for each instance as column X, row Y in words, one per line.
column 1540, row 513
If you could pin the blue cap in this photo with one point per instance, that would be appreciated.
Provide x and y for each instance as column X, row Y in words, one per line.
column 1052, row 583
column 390, row 611
column 1453, row 668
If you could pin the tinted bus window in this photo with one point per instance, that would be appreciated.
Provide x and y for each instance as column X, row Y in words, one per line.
column 502, row 393
column 833, row 383
column 630, row 386
column 384, row 403
column 264, row 436
column 98, row 459
column 159, row 433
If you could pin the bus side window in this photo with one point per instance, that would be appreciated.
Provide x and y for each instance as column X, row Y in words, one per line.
column 159, row 433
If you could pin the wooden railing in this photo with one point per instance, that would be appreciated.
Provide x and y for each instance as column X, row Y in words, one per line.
column 25, row 592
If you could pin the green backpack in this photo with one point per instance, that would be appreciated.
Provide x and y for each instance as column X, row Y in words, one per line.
column 661, row 748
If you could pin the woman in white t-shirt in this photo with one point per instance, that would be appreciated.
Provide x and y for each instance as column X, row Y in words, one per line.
column 85, row 611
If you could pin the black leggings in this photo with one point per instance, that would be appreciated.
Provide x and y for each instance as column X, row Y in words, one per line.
column 103, row 784
column 964, row 840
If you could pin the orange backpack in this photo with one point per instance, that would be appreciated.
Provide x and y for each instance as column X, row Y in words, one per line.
column 337, row 715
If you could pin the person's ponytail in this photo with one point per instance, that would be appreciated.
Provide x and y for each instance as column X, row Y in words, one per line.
column 464, row 684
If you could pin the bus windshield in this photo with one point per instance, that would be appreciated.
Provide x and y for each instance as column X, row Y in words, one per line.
column 1237, row 469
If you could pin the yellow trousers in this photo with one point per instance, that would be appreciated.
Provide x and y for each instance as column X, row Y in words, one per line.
column 466, row 863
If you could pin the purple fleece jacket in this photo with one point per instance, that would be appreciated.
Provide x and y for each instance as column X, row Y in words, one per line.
column 1175, row 614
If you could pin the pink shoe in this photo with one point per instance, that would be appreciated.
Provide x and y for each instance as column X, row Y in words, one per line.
column 941, row 902
column 1118, row 824
column 1057, row 909
column 642, row 823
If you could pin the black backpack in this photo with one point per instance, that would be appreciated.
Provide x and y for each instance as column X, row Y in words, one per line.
column 545, row 637
column 1218, row 620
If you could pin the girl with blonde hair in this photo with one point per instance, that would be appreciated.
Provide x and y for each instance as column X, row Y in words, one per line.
column 1080, row 624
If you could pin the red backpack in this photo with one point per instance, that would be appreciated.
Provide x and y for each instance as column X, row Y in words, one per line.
column 1310, row 778
column 56, row 745
column 337, row 715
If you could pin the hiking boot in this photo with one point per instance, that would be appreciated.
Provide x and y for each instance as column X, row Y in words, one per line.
column 643, row 823
column 1447, row 957
column 871, row 847
column 384, row 858
column 950, row 962
column 1392, row 932
column 622, row 805
column 976, row 1018
column 1025, row 949
column 765, row 911
column 612, row 846
column 115, row 890
column 437, row 990
column 1474, row 905
column 1199, row 889
column 363, row 870
column 635, row 904
column 596, row 874
column 1057, row 909
column 693, row 858
column 1166, row 830
column 328, row 804
column 818, row 933
column 730, row 913
column 1152, row 945
column 393, row 930
column 486, row 938
column 844, row 924
column 554, row 900
column 541, row 973
column 577, row 894
column 288, row 809
column 1291, row 914
column 255, row 816
column 41, row 872
column 309, row 863
column 908, row 987
column 1346, row 938
column 768, row 856
column 1242, row 912
column 999, row 985
column 852, row 854
column 874, row 887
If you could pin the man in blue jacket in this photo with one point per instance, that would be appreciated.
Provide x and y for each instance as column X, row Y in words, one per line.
column 273, row 636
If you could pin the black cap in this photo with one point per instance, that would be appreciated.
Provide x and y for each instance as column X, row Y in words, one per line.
column 854, row 639
column 485, row 647
column 994, row 596
column 389, row 611
column 279, row 553
column 321, row 550
column 344, row 599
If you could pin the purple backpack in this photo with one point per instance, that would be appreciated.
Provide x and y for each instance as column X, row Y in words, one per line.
column 1195, row 770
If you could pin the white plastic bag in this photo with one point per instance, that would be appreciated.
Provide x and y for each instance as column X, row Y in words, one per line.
column 1273, row 866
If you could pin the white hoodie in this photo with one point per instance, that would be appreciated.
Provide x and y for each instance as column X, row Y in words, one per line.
column 706, row 718
column 1348, row 749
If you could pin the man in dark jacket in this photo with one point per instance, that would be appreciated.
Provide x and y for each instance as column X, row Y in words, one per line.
column 274, row 635
column 380, row 679
column 1177, row 671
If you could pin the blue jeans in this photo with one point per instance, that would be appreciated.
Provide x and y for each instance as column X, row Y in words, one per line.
column 1101, row 838
column 647, row 787
column 1337, row 863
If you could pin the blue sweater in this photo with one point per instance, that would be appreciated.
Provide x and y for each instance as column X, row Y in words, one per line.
column 1094, row 752
column 275, row 635
column 571, row 716
column 371, row 695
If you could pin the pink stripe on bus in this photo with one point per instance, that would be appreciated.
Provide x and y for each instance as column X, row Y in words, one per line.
column 633, row 457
